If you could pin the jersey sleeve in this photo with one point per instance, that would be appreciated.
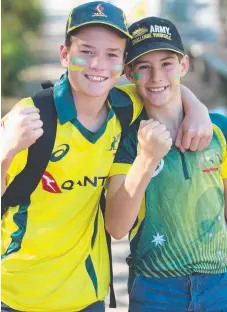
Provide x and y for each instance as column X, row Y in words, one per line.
column 126, row 153
column 130, row 90
column 221, row 122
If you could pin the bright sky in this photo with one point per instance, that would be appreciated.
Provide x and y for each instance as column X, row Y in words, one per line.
column 63, row 7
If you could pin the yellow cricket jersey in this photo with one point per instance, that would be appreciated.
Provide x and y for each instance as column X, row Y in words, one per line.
column 54, row 248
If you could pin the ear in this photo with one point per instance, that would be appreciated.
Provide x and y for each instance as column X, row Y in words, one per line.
column 64, row 56
column 128, row 73
column 184, row 66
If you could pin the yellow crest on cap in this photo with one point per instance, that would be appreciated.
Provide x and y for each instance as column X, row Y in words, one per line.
column 139, row 32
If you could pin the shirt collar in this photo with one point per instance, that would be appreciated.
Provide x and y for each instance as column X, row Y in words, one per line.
column 63, row 99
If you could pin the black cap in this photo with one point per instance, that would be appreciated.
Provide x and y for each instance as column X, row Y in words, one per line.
column 150, row 34
column 97, row 12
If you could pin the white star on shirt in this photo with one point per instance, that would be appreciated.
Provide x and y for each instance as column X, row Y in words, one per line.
column 158, row 239
column 220, row 253
column 210, row 235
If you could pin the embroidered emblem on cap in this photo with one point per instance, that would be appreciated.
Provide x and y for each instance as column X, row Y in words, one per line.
column 139, row 32
column 99, row 11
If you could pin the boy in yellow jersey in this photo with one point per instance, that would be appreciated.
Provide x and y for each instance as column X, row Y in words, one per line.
column 54, row 251
column 173, row 204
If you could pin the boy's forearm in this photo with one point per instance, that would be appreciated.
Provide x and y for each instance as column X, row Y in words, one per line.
column 123, row 207
column 6, row 160
column 189, row 100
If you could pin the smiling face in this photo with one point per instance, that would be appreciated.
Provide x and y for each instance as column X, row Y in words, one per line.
column 94, row 60
column 157, row 76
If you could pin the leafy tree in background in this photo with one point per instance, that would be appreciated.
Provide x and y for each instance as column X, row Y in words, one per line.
column 20, row 23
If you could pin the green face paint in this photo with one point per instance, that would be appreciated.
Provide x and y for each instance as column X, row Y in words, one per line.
column 78, row 61
column 177, row 78
column 118, row 67
column 137, row 76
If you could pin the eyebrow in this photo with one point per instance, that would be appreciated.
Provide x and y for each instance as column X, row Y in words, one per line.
column 164, row 59
column 114, row 49
column 92, row 47
column 87, row 46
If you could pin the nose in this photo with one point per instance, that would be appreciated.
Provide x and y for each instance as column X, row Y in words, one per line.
column 98, row 63
column 156, row 75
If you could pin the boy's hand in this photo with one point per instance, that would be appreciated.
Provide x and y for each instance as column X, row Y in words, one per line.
column 196, row 131
column 154, row 140
column 21, row 128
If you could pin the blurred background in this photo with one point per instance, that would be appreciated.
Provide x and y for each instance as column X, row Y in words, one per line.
column 33, row 30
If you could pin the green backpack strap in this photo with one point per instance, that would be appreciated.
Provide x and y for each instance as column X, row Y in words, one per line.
column 27, row 180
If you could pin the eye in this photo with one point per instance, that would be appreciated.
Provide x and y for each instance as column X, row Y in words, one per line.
column 112, row 55
column 166, row 64
column 87, row 52
column 143, row 67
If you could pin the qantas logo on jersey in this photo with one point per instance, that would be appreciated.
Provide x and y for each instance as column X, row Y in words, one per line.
column 85, row 181
column 49, row 183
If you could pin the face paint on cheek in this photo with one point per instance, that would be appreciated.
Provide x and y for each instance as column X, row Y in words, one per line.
column 118, row 69
column 177, row 78
column 77, row 64
column 76, row 68
column 137, row 77
column 78, row 61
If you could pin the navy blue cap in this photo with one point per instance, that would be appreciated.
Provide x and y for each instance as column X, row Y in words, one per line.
column 153, row 34
column 97, row 12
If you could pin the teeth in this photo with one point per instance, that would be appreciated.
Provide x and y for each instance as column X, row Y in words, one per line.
column 157, row 89
column 96, row 78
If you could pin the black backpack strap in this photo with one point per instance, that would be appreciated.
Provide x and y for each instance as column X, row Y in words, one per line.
column 108, row 239
column 26, row 181
column 123, row 107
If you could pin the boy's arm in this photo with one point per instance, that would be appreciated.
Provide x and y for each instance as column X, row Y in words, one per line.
column 196, row 130
column 125, row 193
column 20, row 129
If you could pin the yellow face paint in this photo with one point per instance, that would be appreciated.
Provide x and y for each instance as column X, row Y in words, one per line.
column 118, row 68
column 177, row 78
column 76, row 68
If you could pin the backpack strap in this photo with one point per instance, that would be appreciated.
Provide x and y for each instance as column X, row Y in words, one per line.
column 26, row 181
column 108, row 240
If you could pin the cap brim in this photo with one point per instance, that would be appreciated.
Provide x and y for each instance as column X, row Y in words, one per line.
column 100, row 22
column 146, row 47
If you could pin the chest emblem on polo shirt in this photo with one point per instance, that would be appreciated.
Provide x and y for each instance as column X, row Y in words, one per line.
column 210, row 161
column 49, row 184
column 114, row 143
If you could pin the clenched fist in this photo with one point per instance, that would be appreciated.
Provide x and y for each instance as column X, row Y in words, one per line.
column 154, row 140
column 21, row 128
